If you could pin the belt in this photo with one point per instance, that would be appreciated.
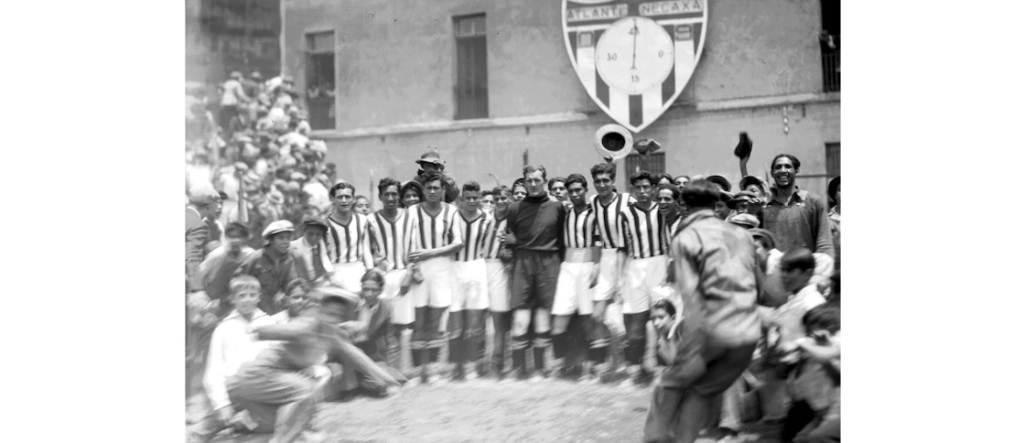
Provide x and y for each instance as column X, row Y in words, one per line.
column 580, row 255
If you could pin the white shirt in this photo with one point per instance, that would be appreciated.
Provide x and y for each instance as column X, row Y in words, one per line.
column 789, row 317
column 232, row 344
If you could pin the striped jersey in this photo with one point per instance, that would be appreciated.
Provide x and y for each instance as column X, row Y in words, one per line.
column 492, row 242
column 390, row 239
column 645, row 232
column 431, row 232
column 349, row 243
column 474, row 236
column 579, row 230
column 609, row 219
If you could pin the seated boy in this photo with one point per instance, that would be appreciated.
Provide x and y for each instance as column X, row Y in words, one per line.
column 231, row 345
column 814, row 384
column 371, row 332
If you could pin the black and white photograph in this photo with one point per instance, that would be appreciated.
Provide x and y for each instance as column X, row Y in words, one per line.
column 536, row 221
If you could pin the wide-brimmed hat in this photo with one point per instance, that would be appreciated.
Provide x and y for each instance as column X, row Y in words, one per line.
column 752, row 180
column 431, row 156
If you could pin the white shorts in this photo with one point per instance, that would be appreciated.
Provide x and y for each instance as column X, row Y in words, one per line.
column 471, row 286
column 403, row 310
column 349, row 276
column 608, row 281
column 573, row 292
column 642, row 276
column 438, row 283
column 497, row 285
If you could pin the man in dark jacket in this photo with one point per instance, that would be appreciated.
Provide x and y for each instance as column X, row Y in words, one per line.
column 203, row 204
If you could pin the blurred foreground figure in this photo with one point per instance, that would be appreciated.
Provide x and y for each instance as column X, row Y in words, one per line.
column 715, row 265
column 281, row 387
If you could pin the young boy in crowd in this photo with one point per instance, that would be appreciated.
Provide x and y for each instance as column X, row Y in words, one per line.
column 232, row 345
column 663, row 316
column 814, row 383
column 796, row 268
column 371, row 332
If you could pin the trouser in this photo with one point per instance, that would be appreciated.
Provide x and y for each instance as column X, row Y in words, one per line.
column 681, row 410
column 466, row 336
column 569, row 337
column 636, row 336
column 278, row 400
column 502, row 325
column 427, row 337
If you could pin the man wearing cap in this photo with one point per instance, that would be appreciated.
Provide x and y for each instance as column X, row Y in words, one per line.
column 796, row 217
column 833, row 214
column 273, row 266
column 310, row 251
column 220, row 265
column 716, row 268
column 431, row 161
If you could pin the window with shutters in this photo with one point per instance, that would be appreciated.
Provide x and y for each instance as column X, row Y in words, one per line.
column 832, row 160
column 320, row 84
column 470, row 67
column 653, row 163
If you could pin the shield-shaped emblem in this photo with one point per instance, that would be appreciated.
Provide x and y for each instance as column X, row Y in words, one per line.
column 634, row 57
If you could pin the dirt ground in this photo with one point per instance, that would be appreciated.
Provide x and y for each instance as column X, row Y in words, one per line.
column 485, row 410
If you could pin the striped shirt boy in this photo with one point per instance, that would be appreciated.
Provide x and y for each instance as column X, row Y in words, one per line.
column 474, row 235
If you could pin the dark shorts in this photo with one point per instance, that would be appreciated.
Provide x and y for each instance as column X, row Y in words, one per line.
column 534, row 279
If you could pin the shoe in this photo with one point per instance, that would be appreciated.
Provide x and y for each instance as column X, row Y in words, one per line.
column 459, row 374
column 642, row 377
column 571, row 373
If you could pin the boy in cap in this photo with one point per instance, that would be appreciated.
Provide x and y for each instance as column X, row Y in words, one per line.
column 273, row 266
column 282, row 385
column 310, row 251
column 430, row 161
column 217, row 271
column 231, row 346
column 204, row 202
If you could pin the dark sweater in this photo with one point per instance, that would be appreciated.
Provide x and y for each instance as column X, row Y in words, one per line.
column 535, row 224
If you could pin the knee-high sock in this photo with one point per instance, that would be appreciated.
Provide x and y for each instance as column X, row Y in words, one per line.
column 456, row 350
column 540, row 344
column 561, row 344
column 519, row 345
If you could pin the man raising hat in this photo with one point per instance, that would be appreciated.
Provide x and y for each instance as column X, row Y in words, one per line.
column 431, row 161
column 273, row 266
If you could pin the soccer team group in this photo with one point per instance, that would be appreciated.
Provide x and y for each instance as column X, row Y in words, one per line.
column 546, row 260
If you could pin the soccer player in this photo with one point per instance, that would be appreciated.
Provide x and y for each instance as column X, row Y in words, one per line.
column 577, row 278
column 436, row 236
column 348, row 244
column 608, row 208
column 389, row 229
column 533, row 233
column 644, row 230
column 470, row 301
column 498, row 259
